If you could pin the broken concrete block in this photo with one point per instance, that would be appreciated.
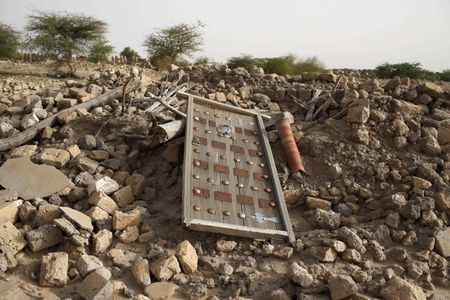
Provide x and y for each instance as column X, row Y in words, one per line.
column 97, row 285
column 165, row 268
column 443, row 242
column 23, row 151
column 11, row 240
column 141, row 271
column 122, row 220
column 54, row 157
column 105, row 185
column 88, row 263
column 44, row 237
column 124, row 196
column 102, row 240
column 80, row 219
column 54, row 269
column 30, row 180
column 103, row 201
column 187, row 256
column 86, row 164
column 73, row 150
column 162, row 290
column 9, row 211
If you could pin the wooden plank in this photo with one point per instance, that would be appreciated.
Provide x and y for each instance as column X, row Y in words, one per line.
column 238, row 230
column 187, row 168
column 223, row 106
column 275, row 182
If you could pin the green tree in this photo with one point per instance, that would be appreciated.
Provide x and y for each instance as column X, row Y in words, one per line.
column 174, row 41
column 100, row 51
column 9, row 42
column 129, row 53
column 63, row 35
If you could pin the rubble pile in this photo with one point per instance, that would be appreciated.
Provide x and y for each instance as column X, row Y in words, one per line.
column 92, row 206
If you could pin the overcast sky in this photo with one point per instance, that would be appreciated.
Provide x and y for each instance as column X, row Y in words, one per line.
column 345, row 33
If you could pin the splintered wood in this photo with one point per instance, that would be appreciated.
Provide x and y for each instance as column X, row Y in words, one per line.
column 230, row 182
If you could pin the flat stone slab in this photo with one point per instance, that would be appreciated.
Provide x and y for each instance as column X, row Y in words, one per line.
column 82, row 220
column 30, row 180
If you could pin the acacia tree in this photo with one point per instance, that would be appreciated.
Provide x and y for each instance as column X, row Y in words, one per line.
column 63, row 35
column 100, row 51
column 9, row 42
column 174, row 41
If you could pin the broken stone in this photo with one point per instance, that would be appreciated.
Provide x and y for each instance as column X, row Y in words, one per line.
column 187, row 256
column 54, row 157
column 351, row 239
column 165, row 268
column 124, row 196
column 73, row 150
column 400, row 289
column 103, row 201
column 66, row 226
column 431, row 89
column 300, row 275
column 323, row 254
column 87, row 264
column 86, row 164
column 97, row 285
column 80, row 219
column 141, row 271
column 87, row 142
column 30, row 180
column 129, row 234
column 122, row 220
column 443, row 242
column 23, row 151
column 102, row 240
column 313, row 203
column 54, row 268
column 162, row 291
column 9, row 211
column 225, row 246
column 324, row 219
column 29, row 120
column 358, row 114
column 44, row 237
column 105, row 185
column 11, row 240
column 46, row 213
column 341, row 286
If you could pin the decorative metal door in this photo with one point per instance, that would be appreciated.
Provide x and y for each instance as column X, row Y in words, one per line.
column 231, row 184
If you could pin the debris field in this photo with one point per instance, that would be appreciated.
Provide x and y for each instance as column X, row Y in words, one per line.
column 91, row 171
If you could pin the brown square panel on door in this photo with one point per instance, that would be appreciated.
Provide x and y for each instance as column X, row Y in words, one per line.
column 231, row 185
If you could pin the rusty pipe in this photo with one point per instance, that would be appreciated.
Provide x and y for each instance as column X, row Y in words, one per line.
column 290, row 146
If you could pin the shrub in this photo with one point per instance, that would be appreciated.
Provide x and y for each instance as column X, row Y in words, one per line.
column 202, row 60
column 445, row 75
column 9, row 42
column 244, row 61
column 100, row 51
column 411, row 70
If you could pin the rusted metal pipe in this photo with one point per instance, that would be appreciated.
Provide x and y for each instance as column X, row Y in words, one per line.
column 290, row 147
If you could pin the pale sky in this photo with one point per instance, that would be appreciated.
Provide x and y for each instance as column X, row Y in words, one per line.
column 342, row 33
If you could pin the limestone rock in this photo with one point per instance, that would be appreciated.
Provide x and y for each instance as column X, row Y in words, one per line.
column 30, row 180
column 102, row 240
column 54, row 157
column 103, row 201
column 80, row 219
column 187, row 256
column 141, row 271
column 400, row 289
column 122, row 220
column 44, row 237
column 54, row 269
column 162, row 291
column 225, row 246
column 300, row 275
column 165, row 268
column 358, row 114
column 124, row 196
column 431, row 89
column 87, row 264
column 105, row 185
column 341, row 286
column 97, row 285
column 11, row 240
column 443, row 242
